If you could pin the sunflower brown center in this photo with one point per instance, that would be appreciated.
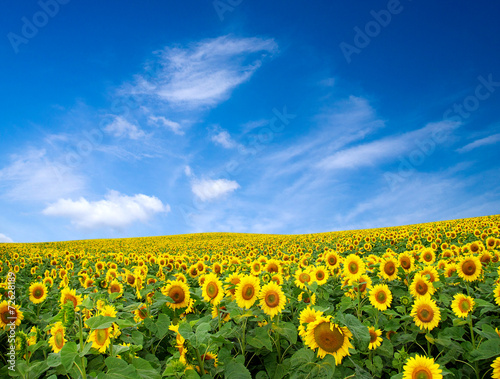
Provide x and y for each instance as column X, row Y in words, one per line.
column 353, row 267
column 177, row 294
column 130, row 279
column 464, row 305
column 427, row 257
column 304, row 277
column 421, row 288
column 422, row 373
column 114, row 288
column 327, row 339
column 272, row 299
column 212, row 290
column 425, row 313
column 72, row 299
column 381, row 297
column 390, row 268
column 143, row 312
column 373, row 336
column 7, row 316
column 273, row 267
column 320, row 275
column 248, row 291
column 38, row 293
column 59, row 339
column 469, row 267
column 332, row 260
column 101, row 336
column 405, row 263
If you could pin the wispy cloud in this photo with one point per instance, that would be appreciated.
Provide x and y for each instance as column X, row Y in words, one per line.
column 4, row 238
column 211, row 189
column 223, row 138
column 169, row 124
column 33, row 176
column 120, row 127
column 490, row 140
column 205, row 73
column 115, row 211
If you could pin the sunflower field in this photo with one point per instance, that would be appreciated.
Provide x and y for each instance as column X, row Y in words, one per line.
column 419, row 301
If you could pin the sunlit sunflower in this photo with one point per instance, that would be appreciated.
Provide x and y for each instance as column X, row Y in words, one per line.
column 449, row 269
column 100, row 339
column 179, row 293
column 272, row 299
column 9, row 313
column 57, row 340
column 247, row 291
column 427, row 256
column 381, row 297
column 305, row 298
column 421, row 367
column 354, row 267
column 425, row 313
column 421, row 286
column 108, row 310
column 303, row 277
column 496, row 293
column 329, row 338
column 320, row 275
column 389, row 269
column 212, row 290
column 496, row 369
column 431, row 272
column 48, row 281
column 272, row 266
column 141, row 313
column 38, row 293
column 332, row 260
column 307, row 316
column 232, row 281
column 469, row 268
column 115, row 287
column 68, row 294
column 462, row 305
column 375, row 339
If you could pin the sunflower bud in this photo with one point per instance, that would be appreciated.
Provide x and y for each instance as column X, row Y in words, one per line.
column 68, row 315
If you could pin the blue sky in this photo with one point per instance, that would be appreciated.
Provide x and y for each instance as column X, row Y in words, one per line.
column 166, row 117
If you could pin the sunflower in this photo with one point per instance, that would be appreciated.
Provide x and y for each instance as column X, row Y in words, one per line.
column 108, row 310
column 141, row 313
column 100, row 339
column 57, row 340
column 496, row 293
column 389, row 269
column 256, row 268
column 406, row 261
column 232, row 281
column 462, row 305
column 469, row 268
column 328, row 338
column 421, row 286
column 425, row 312
column 272, row 266
column 68, row 294
column 427, row 256
column 38, row 293
column 9, row 313
column 212, row 290
column 178, row 291
column 354, row 267
column 381, row 297
column 320, row 274
column 272, row 299
column 303, row 277
column 449, row 269
column 332, row 259
column 247, row 291
column 375, row 339
column 48, row 281
column 307, row 316
column 496, row 369
column 421, row 367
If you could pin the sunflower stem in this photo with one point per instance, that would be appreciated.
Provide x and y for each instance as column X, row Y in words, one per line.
column 200, row 361
column 358, row 295
column 82, row 359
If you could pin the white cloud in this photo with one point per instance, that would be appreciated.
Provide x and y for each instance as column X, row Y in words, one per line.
column 169, row 124
column 204, row 73
column 224, row 139
column 188, row 171
column 33, row 176
column 490, row 140
column 210, row 189
column 116, row 211
column 122, row 128
column 4, row 238
column 387, row 148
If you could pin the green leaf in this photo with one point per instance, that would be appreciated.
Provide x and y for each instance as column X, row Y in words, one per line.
column 191, row 374
column 236, row 370
column 125, row 323
column 162, row 325
column 118, row 369
column 87, row 303
column 68, row 354
column 202, row 333
column 260, row 339
column 488, row 349
column 137, row 337
column 302, row 357
column 85, row 350
column 287, row 330
column 37, row 369
column 100, row 322
column 185, row 331
column 53, row 360
column 386, row 349
column 150, row 325
column 144, row 369
column 359, row 331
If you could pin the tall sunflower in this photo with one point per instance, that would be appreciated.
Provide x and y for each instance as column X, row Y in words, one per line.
column 381, row 297
column 469, row 268
column 232, row 281
column 354, row 267
column 462, row 305
column 9, row 313
column 247, row 291
column 303, row 277
column 427, row 256
column 320, row 274
column 328, row 338
column 420, row 367
column 68, row 294
column 212, row 290
column 100, row 339
column 272, row 299
column 57, row 340
column 307, row 316
column 38, row 292
column 178, row 291
column 375, row 339
column 421, row 286
column 389, row 269
column 425, row 313
column 115, row 287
